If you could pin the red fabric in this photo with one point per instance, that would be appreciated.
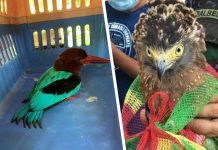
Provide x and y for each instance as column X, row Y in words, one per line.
column 149, row 137
column 127, row 116
column 212, row 71
column 199, row 139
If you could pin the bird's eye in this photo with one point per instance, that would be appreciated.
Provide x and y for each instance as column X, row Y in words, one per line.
column 179, row 50
column 148, row 52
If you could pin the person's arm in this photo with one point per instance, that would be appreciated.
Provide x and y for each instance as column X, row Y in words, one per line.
column 124, row 62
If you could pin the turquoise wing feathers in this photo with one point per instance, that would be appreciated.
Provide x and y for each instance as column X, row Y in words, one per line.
column 53, row 87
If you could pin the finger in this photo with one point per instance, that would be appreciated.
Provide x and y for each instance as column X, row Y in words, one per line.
column 205, row 127
column 210, row 110
column 143, row 117
column 214, row 99
column 214, row 134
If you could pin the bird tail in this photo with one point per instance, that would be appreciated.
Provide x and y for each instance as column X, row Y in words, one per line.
column 20, row 114
column 29, row 117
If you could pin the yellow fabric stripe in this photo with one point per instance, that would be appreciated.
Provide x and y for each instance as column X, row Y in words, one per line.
column 183, row 140
column 164, row 144
column 132, row 101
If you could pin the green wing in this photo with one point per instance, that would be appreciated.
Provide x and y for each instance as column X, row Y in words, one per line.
column 190, row 104
column 53, row 87
column 47, row 78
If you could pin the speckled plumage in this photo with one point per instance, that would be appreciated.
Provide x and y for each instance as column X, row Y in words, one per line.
column 166, row 24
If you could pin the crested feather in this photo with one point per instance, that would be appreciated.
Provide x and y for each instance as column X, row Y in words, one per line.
column 164, row 25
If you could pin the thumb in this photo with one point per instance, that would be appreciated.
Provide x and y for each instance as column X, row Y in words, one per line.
column 143, row 117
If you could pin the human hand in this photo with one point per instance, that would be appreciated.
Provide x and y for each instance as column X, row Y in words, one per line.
column 206, row 123
column 143, row 117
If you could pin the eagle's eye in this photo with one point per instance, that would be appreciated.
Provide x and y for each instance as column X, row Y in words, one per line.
column 148, row 52
column 179, row 50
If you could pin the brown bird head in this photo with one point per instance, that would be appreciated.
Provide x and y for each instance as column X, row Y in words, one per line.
column 169, row 39
column 73, row 59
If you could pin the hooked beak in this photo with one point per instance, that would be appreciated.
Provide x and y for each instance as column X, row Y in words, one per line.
column 94, row 60
column 162, row 66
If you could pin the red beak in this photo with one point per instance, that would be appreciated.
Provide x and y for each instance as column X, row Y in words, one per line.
column 94, row 60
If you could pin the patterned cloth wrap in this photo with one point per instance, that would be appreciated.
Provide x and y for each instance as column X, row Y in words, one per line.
column 172, row 134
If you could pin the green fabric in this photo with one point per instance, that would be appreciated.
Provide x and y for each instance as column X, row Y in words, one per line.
column 211, row 144
column 190, row 104
column 187, row 145
column 131, row 144
column 135, row 86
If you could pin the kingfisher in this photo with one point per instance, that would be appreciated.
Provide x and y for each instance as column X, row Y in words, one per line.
column 55, row 85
